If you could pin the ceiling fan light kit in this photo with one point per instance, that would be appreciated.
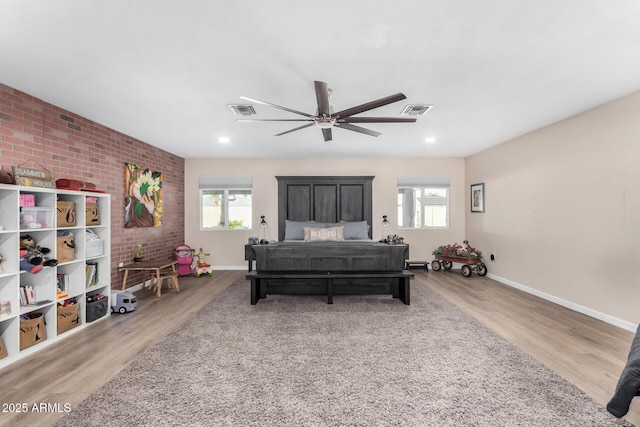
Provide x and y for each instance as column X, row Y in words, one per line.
column 326, row 119
column 324, row 122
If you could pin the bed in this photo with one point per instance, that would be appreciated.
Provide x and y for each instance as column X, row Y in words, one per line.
column 325, row 243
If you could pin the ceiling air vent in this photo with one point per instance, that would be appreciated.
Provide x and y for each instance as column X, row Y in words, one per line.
column 242, row 110
column 416, row 110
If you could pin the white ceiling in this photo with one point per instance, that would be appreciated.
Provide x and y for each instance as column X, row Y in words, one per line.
column 164, row 71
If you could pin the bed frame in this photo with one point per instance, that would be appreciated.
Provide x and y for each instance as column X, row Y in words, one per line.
column 328, row 268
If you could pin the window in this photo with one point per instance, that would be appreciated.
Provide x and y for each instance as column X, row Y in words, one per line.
column 423, row 202
column 225, row 203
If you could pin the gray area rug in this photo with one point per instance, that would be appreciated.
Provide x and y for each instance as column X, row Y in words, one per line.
column 364, row 361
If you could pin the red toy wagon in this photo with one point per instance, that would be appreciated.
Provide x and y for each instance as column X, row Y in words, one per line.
column 470, row 258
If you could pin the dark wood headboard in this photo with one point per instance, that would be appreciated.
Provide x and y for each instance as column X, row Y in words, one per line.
column 324, row 199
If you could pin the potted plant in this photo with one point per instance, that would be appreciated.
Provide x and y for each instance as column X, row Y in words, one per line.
column 137, row 255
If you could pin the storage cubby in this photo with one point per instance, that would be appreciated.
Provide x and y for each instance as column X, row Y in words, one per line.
column 75, row 279
column 8, row 208
column 9, row 331
column 38, row 218
column 9, row 302
column 97, row 308
column 9, row 253
column 40, row 284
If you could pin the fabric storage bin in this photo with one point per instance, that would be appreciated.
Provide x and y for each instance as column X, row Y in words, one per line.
column 3, row 349
column 96, row 308
column 65, row 246
column 36, row 218
column 92, row 214
column 66, row 214
column 68, row 317
column 32, row 330
column 93, row 244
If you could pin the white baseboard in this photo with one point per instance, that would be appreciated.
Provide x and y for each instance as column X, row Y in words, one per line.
column 137, row 287
column 230, row 267
column 568, row 304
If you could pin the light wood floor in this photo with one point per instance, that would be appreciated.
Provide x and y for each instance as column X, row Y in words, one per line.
column 587, row 352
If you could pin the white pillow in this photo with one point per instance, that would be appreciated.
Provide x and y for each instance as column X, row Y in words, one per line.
column 323, row 234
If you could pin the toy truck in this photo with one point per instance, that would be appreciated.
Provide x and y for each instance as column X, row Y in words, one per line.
column 123, row 302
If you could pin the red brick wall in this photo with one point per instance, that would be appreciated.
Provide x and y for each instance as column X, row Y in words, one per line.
column 77, row 148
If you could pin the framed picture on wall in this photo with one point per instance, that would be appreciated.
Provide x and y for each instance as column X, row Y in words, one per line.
column 477, row 198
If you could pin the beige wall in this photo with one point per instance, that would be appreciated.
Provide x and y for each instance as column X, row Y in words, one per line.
column 227, row 247
column 562, row 210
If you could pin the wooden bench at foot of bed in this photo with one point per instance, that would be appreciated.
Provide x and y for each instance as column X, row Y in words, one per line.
column 401, row 290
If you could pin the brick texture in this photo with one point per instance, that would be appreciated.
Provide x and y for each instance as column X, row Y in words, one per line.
column 77, row 148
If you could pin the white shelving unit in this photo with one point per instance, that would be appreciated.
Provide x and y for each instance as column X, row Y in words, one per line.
column 44, row 282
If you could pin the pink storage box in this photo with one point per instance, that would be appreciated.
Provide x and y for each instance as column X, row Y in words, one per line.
column 27, row 200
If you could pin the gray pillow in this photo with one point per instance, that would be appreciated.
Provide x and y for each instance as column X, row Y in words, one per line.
column 294, row 230
column 356, row 230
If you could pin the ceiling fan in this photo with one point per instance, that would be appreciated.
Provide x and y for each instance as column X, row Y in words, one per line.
column 326, row 119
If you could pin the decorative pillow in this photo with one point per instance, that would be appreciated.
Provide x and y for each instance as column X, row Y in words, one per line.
column 356, row 230
column 319, row 234
column 294, row 230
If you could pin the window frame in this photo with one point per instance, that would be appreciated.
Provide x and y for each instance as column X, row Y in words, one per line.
column 423, row 188
column 225, row 191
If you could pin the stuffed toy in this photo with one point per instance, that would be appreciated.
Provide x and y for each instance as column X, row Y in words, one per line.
column 26, row 265
column 34, row 255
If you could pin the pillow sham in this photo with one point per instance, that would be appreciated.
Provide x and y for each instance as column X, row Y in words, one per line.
column 356, row 230
column 323, row 234
column 294, row 230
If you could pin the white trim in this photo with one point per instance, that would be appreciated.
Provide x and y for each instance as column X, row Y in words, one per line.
column 134, row 288
column 568, row 304
column 424, row 181
column 220, row 182
column 230, row 267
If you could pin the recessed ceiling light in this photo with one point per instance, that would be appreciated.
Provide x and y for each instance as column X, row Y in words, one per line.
column 430, row 140
column 224, row 140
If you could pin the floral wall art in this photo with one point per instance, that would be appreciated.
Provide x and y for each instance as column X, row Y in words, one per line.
column 143, row 202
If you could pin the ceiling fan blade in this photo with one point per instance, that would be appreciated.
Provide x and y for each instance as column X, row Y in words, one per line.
column 370, row 105
column 294, row 129
column 322, row 95
column 276, row 106
column 274, row 120
column 377, row 120
column 327, row 135
column 355, row 128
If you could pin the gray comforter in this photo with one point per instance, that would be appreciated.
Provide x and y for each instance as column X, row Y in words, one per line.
column 629, row 382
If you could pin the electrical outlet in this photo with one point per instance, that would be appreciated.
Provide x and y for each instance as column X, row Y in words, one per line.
column 121, row 264
column 493, row 257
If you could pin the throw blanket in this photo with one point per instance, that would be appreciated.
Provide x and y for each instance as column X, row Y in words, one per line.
column 629, row 382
